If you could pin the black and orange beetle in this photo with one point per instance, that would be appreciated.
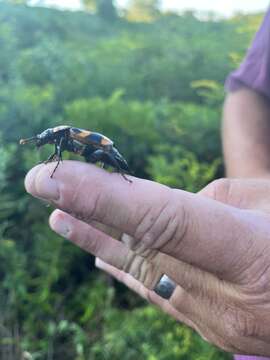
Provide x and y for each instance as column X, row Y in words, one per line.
column 94, row 147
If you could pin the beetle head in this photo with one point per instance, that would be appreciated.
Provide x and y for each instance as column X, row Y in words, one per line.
column 46, row 137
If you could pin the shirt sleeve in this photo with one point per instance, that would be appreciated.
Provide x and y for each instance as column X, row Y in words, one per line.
column 242, row 357
column 254, row 72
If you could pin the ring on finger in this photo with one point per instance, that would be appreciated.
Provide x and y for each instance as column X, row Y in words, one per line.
column 165, row 287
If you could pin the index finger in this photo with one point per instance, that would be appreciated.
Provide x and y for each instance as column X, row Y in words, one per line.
column 189, row 227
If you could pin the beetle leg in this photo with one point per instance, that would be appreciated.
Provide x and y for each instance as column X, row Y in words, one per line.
column 52, row 156
column 58, row 155
column 104, row 165
column 106, row 158
column 124, row 176
column 96, row 156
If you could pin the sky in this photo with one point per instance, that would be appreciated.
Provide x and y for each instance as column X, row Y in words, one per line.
column 222, row 7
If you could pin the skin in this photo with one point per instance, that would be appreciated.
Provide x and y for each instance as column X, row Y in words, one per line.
column 215, row 245
column 246, row 134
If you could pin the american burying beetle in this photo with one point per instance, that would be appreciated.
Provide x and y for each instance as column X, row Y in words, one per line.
column 94, row 147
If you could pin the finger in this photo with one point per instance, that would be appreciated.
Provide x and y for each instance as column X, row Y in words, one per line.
column 188, row 227
column 100, row 244
column 241, row 193
column 184, row 308
column 116, row 255
column 148, row 270
column 108, row 249
column 89, row 238
column 200, row 285
column 147, row 294
column 112, row 232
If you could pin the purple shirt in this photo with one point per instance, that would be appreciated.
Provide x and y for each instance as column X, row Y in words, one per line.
column 241, row 357
column 254, row 72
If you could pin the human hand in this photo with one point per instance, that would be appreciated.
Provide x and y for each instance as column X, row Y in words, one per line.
column 218, row 254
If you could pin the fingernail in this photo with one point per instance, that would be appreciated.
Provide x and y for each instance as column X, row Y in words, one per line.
column 61, row 227
column 99, row 263
column 39, row 183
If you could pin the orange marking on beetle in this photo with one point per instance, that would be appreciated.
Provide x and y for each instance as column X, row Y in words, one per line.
column 89, row 137
column 81, row 136
column 85, row 134
column 106, row 141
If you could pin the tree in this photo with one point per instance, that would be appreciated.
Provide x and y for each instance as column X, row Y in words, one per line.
column 106, row 9
column 143, row 10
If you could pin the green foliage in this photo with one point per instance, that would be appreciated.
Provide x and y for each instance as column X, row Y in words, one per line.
column 155, row 89
column 134, row 338
column 180, row 168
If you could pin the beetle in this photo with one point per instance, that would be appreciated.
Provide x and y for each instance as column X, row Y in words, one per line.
column 93, row 146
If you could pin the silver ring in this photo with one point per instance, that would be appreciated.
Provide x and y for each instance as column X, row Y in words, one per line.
column 165, row 287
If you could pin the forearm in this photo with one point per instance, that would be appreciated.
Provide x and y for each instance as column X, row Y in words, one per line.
column 246, row 134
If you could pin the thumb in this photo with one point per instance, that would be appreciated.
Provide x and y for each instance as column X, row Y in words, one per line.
column 241, row 193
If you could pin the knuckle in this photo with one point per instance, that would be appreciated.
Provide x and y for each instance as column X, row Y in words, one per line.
column 246, row 326
column 94, row 207
column 159, row 227
column 219, row 189
column 142, row 270
column 132, row 263
column 240, row 324
column 150, row 274
column 148, row 238
column 184, row 225
column 180, row 225
column 144, row 224
column 148, row 254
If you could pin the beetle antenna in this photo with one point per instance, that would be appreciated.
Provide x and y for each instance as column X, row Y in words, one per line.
column 29, row 140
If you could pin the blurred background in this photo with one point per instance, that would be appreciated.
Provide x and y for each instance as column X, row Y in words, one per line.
column 148, row 74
